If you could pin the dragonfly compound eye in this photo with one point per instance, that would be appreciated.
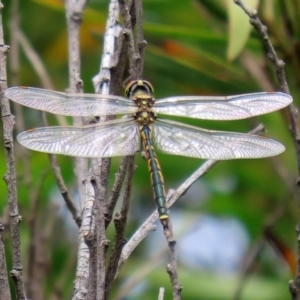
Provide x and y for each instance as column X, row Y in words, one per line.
column 133, row 86
column 129, row 87
column 149, row 86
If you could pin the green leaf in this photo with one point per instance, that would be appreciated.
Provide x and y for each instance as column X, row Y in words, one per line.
column 239, row 27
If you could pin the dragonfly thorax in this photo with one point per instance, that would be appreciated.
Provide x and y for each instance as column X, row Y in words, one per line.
column 145, row 116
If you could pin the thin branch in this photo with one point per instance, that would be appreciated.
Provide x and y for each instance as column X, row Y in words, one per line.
column 100, row 185
column 96, row 239
column 89, row 241
column 101, row 167
column 161, row 294
column 128, row 33
column 86, row 231
column 278, row 65
column 112, row 31
column 115, row 192
column 141, row 43
column 4, row 286
column 10, row 176
column 172, row 271
column 71, row 204
column 120, row 221
column 74, row 11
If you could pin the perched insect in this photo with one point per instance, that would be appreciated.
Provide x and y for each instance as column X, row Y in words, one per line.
column 142, row 129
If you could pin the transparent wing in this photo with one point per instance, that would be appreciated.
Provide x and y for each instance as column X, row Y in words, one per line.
column 180, row 139
column 223, row 108
column 84, row 105
column 107, row 139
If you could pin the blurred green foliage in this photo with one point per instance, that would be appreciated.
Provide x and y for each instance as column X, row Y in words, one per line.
column 189, row 47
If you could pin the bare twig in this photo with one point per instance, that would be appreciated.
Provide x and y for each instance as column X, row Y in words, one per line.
column 115, row 192
column 120, row 221
column 100, row 186
column 102, row 80
column 172, row 271
column 10, row 176
column 134, row 57
column 4, row 286
column 161, row 294
column 278, row 65
column 95, row 239
column 86, row 230
column 102, row 86
column 74, row 11
column 89, row 228
column 36, row 252
column 71, row 204
column 141, row 43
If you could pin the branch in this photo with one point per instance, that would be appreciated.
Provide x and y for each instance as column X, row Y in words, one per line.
column 278, row 65
column 97, row 242
column 120, row 221
column 10, row 176
column 141, row 43
column 172, row 271
column 100, row 185
column 4, row 286
column 128, row 34
column 102, row 80
column 86, row 231
column 115, row 192
column 74, row 11
column 161, row 294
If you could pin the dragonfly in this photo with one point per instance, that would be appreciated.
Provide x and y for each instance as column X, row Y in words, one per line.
column 141, row 129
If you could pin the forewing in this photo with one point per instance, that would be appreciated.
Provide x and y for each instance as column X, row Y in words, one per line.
column 107, row 139
column 179, row 139
column 84, row 105
column 223, row 108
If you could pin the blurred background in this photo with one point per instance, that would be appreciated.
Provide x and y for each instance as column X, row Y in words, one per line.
column 240, row 217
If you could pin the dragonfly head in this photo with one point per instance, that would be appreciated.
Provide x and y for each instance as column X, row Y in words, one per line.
column 138, row 87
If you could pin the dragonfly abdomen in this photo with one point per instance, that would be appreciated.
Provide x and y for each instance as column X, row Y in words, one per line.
column 156, row 176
